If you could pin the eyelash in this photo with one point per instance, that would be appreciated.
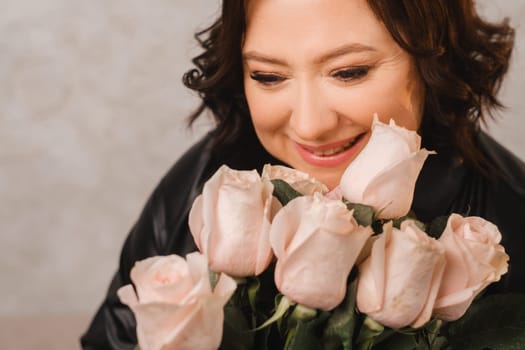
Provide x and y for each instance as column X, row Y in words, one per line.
column 345, row 75
column 351, row 74
column 266, row 79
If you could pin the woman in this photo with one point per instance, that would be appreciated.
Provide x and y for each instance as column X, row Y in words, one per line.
column 297, row 82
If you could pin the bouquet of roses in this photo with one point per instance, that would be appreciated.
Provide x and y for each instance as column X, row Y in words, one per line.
column 286, row 264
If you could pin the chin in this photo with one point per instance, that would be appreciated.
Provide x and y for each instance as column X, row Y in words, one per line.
column 331, row 184
column 330, row 181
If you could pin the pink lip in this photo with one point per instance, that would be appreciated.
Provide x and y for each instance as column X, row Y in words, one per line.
column 305, row 151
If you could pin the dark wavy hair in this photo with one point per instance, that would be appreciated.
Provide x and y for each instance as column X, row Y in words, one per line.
column 460, row 57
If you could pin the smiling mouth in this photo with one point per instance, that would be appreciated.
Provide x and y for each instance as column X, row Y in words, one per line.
column 336, row 150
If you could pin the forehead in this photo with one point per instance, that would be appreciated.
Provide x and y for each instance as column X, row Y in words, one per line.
column 312, row 24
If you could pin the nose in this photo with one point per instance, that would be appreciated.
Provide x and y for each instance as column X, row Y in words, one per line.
column 311, row 116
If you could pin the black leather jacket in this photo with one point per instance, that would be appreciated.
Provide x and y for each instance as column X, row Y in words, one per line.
column 444, row 186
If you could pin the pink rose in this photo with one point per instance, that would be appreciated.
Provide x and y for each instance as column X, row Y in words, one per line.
column 174, row 304
column 475, row 259
column 399, row 281
column 316, row 241
column 230, row 222
column 299, row 181
column 384, row 174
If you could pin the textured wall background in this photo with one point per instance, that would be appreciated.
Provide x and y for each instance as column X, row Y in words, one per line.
column 91, row 116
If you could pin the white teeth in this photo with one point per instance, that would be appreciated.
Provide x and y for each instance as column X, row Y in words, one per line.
column 333, row 151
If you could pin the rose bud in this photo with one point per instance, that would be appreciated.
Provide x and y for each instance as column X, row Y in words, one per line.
column 398, row 283
column 298, row 180
column 174, row 298
column 475, row 259
column 230, row 222
column 384, row 174
column 316, row 241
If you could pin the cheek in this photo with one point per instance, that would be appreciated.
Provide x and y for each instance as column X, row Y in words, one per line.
column 268, row 110
column 402, row 99
column 390, row 98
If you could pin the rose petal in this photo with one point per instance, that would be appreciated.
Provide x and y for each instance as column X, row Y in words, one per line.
column 474, row 260
column 161, row 279
column 315, row 274
column 284, row 225
column 384, row 173
column 230, row 221
column 300, row 181
column 395, row 290
column 158, row 324
column 127, row 295
column 316, row 241
column 190, row 320
column 196, row 224
column 393, row 199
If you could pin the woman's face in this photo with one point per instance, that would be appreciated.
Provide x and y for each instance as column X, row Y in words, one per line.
column 315, row 72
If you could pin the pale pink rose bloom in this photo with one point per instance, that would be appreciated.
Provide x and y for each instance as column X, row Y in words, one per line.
column 230, row 221
column 174, row 304
column 335, row 193
column 475, row 259
column 398, row 283
column 316, row 241
column 384, row 174
column 298, row 180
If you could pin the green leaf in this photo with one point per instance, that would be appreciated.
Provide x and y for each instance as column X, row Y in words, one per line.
column 253, row 290
column 306, row 335
column 437, row 226
column 408, row 338
column 363, row 214
column 303, row 313
column 369, row 330
column 262, row 340
column 214, row 278
column 441, row 343
column 284, row 305
column 397, row 222
column 495, row 322
column 283, row 191
column 399, row 341
column 236, row 334
column 431, row 331
column 339, row 329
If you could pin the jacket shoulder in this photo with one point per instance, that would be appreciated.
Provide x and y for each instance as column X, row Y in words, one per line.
column 504, row 203
column 510, row 168
column 171, row 201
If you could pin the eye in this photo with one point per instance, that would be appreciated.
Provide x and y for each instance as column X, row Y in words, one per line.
column 267, row 79
column 351, row 74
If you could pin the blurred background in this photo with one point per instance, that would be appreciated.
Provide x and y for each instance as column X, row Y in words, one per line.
column 92, row 112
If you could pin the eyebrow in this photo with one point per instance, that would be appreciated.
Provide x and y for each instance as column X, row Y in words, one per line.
column 330, row 55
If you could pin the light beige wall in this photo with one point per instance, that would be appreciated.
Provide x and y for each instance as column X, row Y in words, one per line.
column 510, row 126
column 92, row 109
column 91, row 116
